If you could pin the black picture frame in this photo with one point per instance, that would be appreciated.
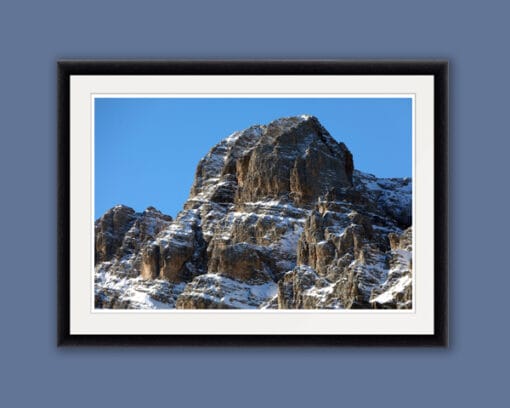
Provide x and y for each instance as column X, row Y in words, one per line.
column 436, row 68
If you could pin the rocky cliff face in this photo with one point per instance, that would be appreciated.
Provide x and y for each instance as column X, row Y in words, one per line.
column 277, row 217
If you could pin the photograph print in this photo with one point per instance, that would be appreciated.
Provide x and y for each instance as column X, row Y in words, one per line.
column 253, row 203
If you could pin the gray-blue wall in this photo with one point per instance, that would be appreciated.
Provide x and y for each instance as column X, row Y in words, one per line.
column 472, row 35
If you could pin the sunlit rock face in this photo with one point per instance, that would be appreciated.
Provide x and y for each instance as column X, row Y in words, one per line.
column 277, row 217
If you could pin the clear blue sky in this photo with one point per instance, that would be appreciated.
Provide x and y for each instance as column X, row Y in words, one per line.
column 147, row 149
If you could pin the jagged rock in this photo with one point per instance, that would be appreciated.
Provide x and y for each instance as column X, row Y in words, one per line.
column 257, row 242
column 114, row 291
column 178, row 253
column 212, row 291
column 397, row 291
column 392, row 196
column 121, row 235
column 296, row 158
column 216, row 179
column 239, row 261
column 110, row 230
column 277, row 217
column 295, row 287
column 341, row 246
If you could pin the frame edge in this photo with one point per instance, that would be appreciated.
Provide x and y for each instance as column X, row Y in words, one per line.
column 438, row 68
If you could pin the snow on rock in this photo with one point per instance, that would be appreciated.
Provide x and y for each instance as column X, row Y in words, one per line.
column 277, row 217
column 392, row 195
column 120, row 235
column 396, row 291
column 214, row 291
column 120, row 292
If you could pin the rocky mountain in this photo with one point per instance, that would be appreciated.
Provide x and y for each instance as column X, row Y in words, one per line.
column 277, row 217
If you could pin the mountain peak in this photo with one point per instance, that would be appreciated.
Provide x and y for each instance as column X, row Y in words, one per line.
column 276, row 218
column 292, row 158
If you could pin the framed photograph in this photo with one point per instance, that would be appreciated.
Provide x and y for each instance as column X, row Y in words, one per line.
column 265, row 203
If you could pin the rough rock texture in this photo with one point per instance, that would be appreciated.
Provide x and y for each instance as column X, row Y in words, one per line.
column 178, row 253
column 121, row 235
column 114, row 291
column 277, row 217
column 295, row 158
column 211, row 291
column 397, row 291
